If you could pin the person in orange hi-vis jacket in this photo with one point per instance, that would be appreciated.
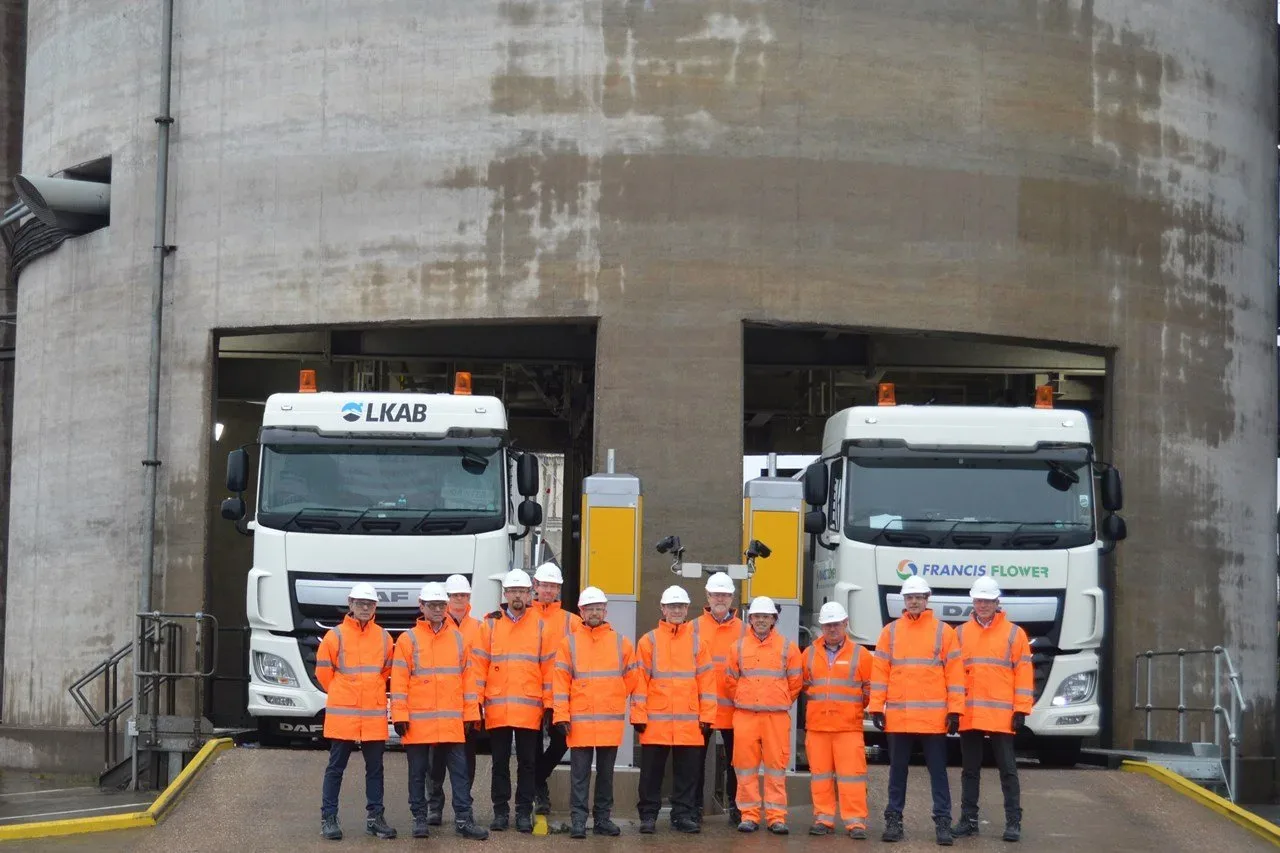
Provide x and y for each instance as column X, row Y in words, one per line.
column 560, row 623
column 513, row 664
column 917, row 693
column 837, row 682
column 764, row 676
column 672, row 710
column 458, row 589
column 999, row 693
column 720, row 625
column 595, row 672
column 434, row 705
column 352, row 666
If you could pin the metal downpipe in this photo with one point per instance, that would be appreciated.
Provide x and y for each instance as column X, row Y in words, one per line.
column 160, row 248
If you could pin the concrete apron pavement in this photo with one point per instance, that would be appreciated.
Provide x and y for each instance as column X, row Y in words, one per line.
column 26, row 797
column 255, row 799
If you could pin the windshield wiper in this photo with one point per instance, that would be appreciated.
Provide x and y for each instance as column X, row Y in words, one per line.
column 905, row 533
column 309, row 509
column 1046, row 538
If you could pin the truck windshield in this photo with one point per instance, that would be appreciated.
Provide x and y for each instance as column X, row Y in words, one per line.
column 381, row 488
column 970, row 500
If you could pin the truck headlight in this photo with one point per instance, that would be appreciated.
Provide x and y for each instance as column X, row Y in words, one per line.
column 274, row 669
column 1075, row 689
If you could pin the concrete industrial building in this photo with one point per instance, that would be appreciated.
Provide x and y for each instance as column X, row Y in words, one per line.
column 700, row 214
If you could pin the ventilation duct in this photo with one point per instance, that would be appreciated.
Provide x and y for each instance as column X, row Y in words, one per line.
column 72, row 206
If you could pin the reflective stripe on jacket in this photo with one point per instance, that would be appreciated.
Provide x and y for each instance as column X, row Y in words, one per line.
column 837, row 692
column 677, row 686
column 470, row 628
column 352, row 666
column 433, row 684
column 764, row 676
column 595, row 672
column 917, row 677
column 560, row 623
column 513, row 670
column 998, row 676
column 720, row 636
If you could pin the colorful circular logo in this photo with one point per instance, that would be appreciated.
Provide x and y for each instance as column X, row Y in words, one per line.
column 351, row 412
column 906, row 569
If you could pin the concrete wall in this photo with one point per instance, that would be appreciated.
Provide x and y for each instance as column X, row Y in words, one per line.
column 1094, row 173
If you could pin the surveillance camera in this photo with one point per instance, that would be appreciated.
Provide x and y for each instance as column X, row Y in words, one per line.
column 758, row 549
column 671, row 543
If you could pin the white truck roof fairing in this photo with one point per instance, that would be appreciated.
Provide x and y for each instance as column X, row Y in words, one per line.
column 956, row 426
column 430, row 415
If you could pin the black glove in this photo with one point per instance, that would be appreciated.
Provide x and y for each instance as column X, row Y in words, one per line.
column 877, row 719
column 1019, row 720
column 402, row 729
column 470, row 727
column 706, row 728
column 639, row 727
column 563, row 728
column 953, row 723
column 546, row 718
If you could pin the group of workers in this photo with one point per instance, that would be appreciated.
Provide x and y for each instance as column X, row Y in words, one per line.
column 532, row 667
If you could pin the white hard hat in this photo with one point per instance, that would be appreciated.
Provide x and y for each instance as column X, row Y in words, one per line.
column 364, row 592
column 832, row 611
column 915, row 585
column 591, row 595
column 548, row 573
column 720, row 582
column 985, row 588
column 674, row 595
column 455, row 584
column 762, row 604
column 517, row 579
column 433, row 592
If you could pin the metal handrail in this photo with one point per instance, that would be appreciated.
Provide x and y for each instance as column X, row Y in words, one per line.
column 1228, row 717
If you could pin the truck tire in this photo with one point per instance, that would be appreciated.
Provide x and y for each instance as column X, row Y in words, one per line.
column 1059, row 752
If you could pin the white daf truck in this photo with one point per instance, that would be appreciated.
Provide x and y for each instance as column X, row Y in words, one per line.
column 392, row 489
column 952, row 494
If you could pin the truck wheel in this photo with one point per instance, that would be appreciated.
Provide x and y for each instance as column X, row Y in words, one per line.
column 1059, row 752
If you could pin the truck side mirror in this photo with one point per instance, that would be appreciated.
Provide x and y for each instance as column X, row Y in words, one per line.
column 527, row 476
column 815, row 521
column 528, row 513
column 815, row 484
column 233, row 509
column 1112, row 491
column 237, row 473
column 1114, row 529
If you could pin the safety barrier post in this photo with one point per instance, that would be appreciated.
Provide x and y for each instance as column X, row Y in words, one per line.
column 612, row 509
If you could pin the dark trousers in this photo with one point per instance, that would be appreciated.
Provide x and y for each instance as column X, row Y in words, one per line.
column 684, row 780
column 527, row 742
column 731, row 778
column 935, row 756
column 547, row 761
column 339, row 753
column 435, row 782
column 454, row 756
column 971, row 775
column 580, row 782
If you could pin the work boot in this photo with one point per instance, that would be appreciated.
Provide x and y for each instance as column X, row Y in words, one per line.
column 779, row 828
column 542, row 799
column 735, row 816
column 524, row 823
column 748, row 826
column 500, row 822
column 966, row 826
column 604, row 826
column 942, row 831
column 1012, row 829
column 376, row 825
column 435, row 815
column 821, row 829
column 578, row 829
column 687, row 825
column 892, row 827
column 648, row 825
column 329, row 828
column 468, row 829
column 420, row 827
column 858, row 832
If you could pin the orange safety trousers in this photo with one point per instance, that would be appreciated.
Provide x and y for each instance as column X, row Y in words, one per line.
column 837, row 760
column 762, row 744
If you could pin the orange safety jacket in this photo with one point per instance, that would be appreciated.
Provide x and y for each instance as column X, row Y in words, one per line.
column 721, row 636
column 433, row 684
column 764, row 676
column 513, row 669
column 560, row 622
column 676, row 691
column 595, row 672
column 836, row 692
column 352, row 666
column 917, row 678
column 469, row 626
column 998, row 677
